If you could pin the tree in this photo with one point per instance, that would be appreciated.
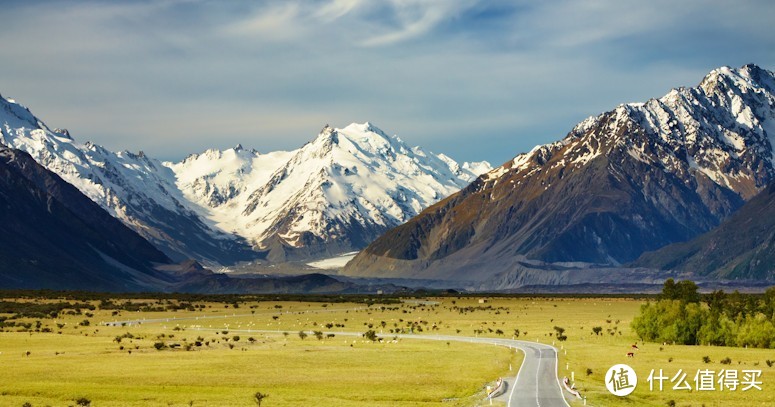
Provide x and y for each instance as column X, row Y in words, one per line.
column 302, row 335
column 318, row 334
column 685, row 291
column 259, row 397
column 716, row 301
column 669, row 291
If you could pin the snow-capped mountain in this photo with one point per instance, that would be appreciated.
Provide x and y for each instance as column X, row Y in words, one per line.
column 633, row 179
column 134, row 188
column 333, row 195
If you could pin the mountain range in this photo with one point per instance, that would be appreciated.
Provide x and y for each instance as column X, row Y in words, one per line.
column 333, row 195
column 682, row 185
column 630, row 180
column 55, row 237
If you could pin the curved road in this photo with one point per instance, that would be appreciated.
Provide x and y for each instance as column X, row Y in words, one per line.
column 536, row 383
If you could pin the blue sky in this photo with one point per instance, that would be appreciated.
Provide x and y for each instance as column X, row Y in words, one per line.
column 472, row 79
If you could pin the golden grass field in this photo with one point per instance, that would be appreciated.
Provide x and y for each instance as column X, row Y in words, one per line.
column 87, row 361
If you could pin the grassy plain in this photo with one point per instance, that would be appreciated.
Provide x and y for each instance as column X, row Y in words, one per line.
column 88, row 361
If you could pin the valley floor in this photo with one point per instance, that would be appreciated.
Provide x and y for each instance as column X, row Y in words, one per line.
column 211, row 354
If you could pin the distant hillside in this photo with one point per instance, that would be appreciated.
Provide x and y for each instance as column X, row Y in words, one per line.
column 742, row 247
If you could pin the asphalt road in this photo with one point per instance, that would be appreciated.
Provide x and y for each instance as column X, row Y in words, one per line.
column 536, row 383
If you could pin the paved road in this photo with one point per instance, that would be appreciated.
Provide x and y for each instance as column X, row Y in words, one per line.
column 536, row 385
column 536, row 382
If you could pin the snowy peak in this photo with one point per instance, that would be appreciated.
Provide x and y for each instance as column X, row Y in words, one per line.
column 334, row 194
column 723, row 129
column 347, row 186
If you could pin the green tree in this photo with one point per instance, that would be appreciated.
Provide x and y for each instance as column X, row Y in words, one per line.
column 669, row 291
column 685, row 291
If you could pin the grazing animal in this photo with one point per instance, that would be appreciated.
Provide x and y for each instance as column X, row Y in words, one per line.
column 630, row 354
column 635, row 346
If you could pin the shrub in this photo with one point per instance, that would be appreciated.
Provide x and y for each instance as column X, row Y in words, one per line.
column 706, row 359
column 726, row 361
column 159, row 345
column 83, row 401
column 560, row 333
column 370, row 335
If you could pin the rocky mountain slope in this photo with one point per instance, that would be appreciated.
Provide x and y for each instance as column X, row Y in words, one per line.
column 333, row 195
column 742, row 247
column 55, row 237
column 630, row 180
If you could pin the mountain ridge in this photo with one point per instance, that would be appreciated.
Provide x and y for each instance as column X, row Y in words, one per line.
column 629, row 180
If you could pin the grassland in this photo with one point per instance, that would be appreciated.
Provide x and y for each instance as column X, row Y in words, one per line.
column 219, row 369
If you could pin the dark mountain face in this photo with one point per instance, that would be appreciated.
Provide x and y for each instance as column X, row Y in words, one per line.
column 55, row 237
column 627, row 181
column 742, row 247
